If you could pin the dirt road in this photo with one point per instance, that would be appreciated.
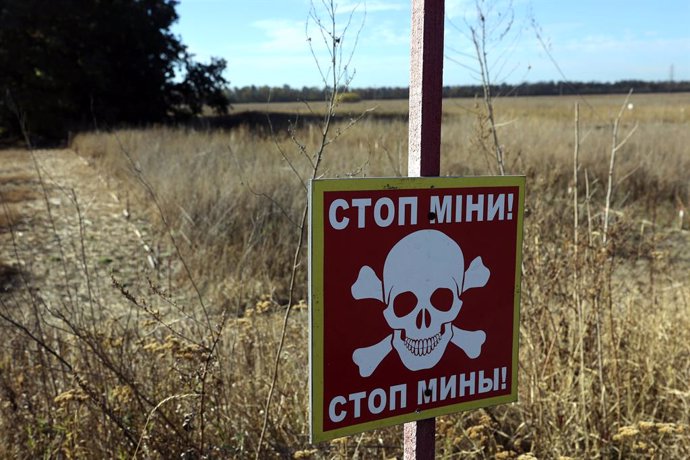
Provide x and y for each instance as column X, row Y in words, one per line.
column 64, row 231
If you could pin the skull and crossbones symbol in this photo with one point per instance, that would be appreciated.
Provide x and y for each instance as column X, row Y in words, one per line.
column 423, row 278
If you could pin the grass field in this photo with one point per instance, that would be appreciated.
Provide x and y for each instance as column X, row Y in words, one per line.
column 605, row 327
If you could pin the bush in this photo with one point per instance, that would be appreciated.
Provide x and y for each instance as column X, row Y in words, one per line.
column 349, row 97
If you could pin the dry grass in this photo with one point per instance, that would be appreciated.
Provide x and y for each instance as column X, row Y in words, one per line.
column 605, row 334
column 236, row 195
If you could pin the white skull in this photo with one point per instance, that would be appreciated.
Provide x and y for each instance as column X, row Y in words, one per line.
column 422, row 283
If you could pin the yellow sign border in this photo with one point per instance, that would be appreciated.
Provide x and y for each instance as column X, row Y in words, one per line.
column 317, row 188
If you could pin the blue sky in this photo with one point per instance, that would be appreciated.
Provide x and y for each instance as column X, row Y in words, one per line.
column 265, row 41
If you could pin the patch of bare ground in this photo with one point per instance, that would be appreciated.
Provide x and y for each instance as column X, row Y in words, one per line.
column 74, row 260
column 58, row 215
column 15, row 189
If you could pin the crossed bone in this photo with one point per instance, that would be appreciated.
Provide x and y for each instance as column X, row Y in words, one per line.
column 369, row 286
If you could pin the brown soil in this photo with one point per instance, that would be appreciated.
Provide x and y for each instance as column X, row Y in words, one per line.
column 64, row 231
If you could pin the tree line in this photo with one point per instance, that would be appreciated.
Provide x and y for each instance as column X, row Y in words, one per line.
column 73, row 64
column 82, row 64
column 286, row 93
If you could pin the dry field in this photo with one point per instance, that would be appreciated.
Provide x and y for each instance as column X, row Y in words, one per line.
column 154, row 332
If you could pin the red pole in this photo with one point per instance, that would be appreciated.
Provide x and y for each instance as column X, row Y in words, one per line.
column 426, row 85
column 420, row 439
column 424, row 154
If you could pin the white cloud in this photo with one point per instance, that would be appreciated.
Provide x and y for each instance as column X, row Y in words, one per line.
column 371, row 7
column 281, row 35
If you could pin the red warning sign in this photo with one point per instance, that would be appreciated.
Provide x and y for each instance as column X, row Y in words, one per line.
column 414, row 298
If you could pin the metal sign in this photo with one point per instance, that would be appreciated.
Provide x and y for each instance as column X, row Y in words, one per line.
column 414, row 298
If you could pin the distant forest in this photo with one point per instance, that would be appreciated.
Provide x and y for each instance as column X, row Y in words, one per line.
column 288, row 94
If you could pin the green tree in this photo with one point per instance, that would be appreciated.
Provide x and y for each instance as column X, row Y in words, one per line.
column 74, row 63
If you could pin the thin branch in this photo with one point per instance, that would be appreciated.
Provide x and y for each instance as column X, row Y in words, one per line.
column 615, row 146
column 153, row 411
column 152, row 195
column 262, row 194
column 334, row 47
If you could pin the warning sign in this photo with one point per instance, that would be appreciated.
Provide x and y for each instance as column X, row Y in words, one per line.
column 414, row 298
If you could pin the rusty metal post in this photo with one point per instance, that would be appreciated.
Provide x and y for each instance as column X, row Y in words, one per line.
column 424, row 154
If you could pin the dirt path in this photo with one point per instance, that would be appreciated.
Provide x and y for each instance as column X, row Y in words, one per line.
column 63, row 232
